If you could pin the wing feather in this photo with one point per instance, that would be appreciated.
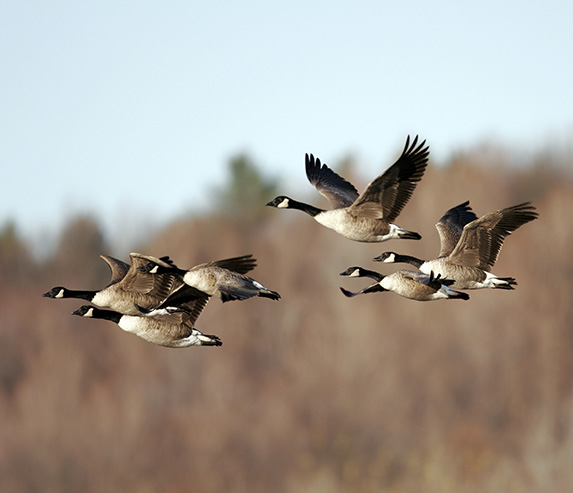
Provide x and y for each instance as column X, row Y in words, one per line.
column 482, row 239
column 117, row 267
column 336, row 189
column 386, row 195
column 138, row 281
column 451, row 225
column 240, row 265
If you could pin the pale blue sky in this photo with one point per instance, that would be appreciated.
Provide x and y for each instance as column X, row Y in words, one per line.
column 122, row 108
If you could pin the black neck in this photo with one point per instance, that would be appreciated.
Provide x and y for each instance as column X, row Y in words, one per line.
column 83, row 295
column 372, row 274
column 407, row 259
column 301, row 206
column 107, row 315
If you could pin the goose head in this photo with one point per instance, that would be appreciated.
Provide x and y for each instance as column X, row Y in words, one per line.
column 386, row 257
column 84, row 311
column 57, row 292
column 354, row 272
column 280, row 202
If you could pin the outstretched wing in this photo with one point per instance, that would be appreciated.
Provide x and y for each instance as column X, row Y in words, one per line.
column 240, row 265
column 451, row 225
column 482, row 239
column 117, row 267
column 386, row 195
column 194, row 309
column 336, row 189
column 182, row 296
column 138, row 281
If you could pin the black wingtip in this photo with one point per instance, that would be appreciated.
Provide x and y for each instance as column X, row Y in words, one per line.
column 414, row 146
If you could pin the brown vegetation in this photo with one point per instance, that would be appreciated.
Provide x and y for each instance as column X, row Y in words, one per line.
column 315, row 392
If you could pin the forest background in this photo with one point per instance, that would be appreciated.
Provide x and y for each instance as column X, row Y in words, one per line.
column 315, row 392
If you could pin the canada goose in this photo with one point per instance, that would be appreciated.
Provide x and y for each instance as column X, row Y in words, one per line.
column 129, row 286
column 368, row 217
column 174, row 330
column 224, row 279
column 406, row 283
column 470, row 246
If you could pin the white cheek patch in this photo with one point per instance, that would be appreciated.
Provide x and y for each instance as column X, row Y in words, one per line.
column 89, row 313
column 60, row 294
column 284, row 204
column 390, row 258
column 355, row 273
column 154, row 270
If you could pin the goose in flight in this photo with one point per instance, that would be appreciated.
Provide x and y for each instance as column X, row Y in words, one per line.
column 129, row 287
column 368, row 217
column 409, row 284
column 175, row 330
column 224, row 279
column 470, row 246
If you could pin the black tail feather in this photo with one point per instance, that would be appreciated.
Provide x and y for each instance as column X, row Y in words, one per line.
column 460, row 296
column 508, row 283
column 273, row 295
column 410, row 235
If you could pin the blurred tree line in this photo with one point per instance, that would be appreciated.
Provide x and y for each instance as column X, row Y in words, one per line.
column 314, row 392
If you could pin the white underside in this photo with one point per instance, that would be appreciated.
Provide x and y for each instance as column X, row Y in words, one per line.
column 398, row 285
column 348, row 226
column 140, row 327
column 490, row 281
column 114, row 301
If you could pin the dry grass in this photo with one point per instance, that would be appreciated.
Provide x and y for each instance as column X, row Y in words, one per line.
column 313, row 393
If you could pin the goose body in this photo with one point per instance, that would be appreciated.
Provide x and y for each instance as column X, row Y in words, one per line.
column 368, row 217
column 224, row 279
column 129, row 286
column 364, row 229
column 470, row 246
column 175, row 330
column 408, row 284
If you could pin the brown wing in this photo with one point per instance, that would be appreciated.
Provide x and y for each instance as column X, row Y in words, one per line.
column 482, row 239
column 162, row 261
column 194, row 309
column 138, row 281
column 451, row 225
column 386, row 196
column 336, row 189
column 117, row 267
column 182, row 296
column 240, row 265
